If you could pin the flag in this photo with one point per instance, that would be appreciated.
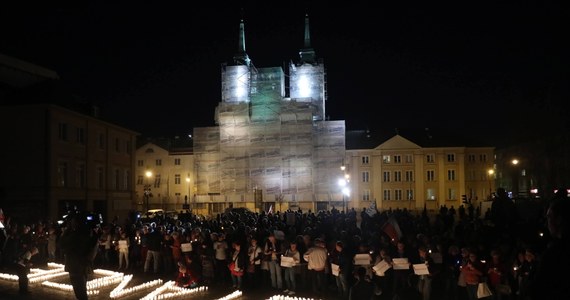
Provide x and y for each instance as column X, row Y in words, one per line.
column 270, row 211
column 392, row 229
column 371, row 211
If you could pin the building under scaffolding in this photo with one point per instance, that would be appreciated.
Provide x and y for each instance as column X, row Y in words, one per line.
column 269, row 148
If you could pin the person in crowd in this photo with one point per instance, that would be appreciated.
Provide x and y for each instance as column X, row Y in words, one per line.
column 317, row 258
column 79, row 244
column 221, row 247
column 362, row 289
column 401, row 276
column 123, row 245
column 237, row 265
column 528, row 274
column 473, row 271
column 497, row 272
column 22, row 267
column 383, row 280
column 185, row 278
column 52, row 244
column 253, row 272
column 548, row 283
column 168, row 263
column 154, row 247
column 290, row 281
column 273, row 251
column 424, row 281
column 343, row 260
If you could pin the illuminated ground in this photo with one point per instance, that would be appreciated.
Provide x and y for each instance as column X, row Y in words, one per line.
column 109, row 285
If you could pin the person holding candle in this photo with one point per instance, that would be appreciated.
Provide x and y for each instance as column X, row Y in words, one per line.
column 79, row 245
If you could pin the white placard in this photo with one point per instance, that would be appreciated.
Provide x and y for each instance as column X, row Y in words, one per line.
column 186, row 247
column 421, row 269
column 401, row 264
column 287, row 262
column 381, row 268
column 362, row 259
column 335, row 269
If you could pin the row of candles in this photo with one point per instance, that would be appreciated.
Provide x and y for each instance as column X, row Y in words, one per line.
column 283, row 297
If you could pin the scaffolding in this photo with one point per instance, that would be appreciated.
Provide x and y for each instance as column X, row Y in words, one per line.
column 268, row 143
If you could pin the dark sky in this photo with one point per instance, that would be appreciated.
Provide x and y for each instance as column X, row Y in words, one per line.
column 498, row 68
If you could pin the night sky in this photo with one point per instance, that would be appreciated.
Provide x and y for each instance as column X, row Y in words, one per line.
column 496, row 69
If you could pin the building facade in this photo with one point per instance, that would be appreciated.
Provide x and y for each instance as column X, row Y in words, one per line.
column 59, row 158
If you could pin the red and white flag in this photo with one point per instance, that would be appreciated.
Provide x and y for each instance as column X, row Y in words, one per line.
column 392, row 229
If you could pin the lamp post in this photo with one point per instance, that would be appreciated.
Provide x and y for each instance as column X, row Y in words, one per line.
column 188, row 196
column 515, row 187
column 147, row 190
column 491, row 172
column 342, row 183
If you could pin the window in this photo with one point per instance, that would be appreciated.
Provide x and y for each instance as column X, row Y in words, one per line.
column 386, row 194
column 365, row 176
column 386, row 176
column 397, row 159
column 397, row 176
column 62, row 174
column 177, row 179
column 140, row 180
column 365, row 159
column 430, row 194
column 140, row 163
column 451, row 157
column 366, row 195
column 101, row 141
column 409, row 176
column 451, row 194
column 430, row 158
column 483, row 157
column 62, row 131
column 386, row 159
column 80, row 136
column 117, row 149
column 409, row 158
column 430, row 175
column 177, row 161
column 471, row 158
column 450, row 174
column 158, row 162
column 410, row 194
column 157, row 181
column 128, row 147
column 100, row 178
column 126, row 180
column 398, row 195
column 117, row 179
column 80, row 176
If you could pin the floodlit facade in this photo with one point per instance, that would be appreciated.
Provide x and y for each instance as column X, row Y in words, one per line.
column 164, row 176
column 269, row 149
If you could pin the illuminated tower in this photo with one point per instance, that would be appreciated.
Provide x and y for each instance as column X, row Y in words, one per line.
column 269, row 149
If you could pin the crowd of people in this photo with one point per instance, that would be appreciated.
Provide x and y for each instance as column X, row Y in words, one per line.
column 327, row 254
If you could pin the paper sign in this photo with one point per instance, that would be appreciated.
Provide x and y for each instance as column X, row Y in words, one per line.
column 401, row 264
column 335, row 269
column 287, row 262
column 421, row 269
column 186, row 247
column 362, row 259
column 381, row 268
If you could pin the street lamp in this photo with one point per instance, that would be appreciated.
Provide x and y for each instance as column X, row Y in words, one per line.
column 147, row 190
column 342, row 183
column 186, row 206
column 491, row 172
